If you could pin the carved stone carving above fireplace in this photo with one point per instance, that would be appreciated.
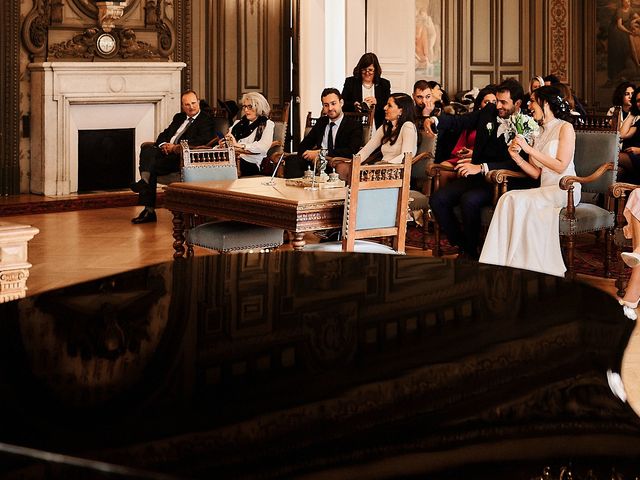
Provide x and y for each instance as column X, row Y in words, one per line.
column 70, row 96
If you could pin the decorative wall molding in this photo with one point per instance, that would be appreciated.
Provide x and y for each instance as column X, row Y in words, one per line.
column 83, row 45
column 559, row 38
column 10, row 97
column 36, row 27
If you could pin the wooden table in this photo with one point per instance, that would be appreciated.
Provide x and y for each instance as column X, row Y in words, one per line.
column 249, row 200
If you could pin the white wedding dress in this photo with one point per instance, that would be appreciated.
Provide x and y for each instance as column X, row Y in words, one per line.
column 524, row 230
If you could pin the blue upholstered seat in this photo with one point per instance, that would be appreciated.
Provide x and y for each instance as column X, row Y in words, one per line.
column 201, row 165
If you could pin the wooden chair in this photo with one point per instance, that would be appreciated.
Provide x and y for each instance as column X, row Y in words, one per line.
column 280, row 117
column 376, row 206
column 618, row 194
column 596, row 160
column 420, row 181
column 218, row 163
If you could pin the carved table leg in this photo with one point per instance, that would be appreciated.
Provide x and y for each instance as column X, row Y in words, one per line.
column 178, row 235
column 298, row 241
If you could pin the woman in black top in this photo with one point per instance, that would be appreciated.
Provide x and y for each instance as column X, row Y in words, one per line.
column 366, row 88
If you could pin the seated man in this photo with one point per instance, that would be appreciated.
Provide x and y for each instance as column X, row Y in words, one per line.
column 163, row 157
column 422, row 99
column 470, row 190
column 341, row 136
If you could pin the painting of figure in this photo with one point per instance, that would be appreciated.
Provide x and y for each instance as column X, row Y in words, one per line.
column 428, row 53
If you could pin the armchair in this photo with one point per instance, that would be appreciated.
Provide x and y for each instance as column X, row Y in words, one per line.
column 619, row 193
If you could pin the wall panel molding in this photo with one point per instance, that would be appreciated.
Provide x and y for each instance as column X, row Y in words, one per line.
column 10, row 91
column 510, row 32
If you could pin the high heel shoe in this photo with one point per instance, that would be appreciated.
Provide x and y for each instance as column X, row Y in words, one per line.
column 632, row 259
column 629, row 309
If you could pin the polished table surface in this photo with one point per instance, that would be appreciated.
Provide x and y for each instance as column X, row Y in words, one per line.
column 252, row 200
column 336, row 365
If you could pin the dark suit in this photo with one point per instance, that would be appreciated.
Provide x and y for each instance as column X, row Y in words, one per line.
column 347, row 140
column 152, row 160
column 352, row 92
column 471, row 193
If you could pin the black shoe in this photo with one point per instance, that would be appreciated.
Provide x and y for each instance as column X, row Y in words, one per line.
column 139, row 186
column 146, row 216
column 330, row 235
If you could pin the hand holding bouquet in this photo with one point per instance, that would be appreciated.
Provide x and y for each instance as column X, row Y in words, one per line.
column 521, row 124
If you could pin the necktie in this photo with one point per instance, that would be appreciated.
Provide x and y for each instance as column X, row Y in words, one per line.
column 189, row 122
column 330, row 138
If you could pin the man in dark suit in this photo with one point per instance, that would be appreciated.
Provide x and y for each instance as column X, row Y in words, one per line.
column 471, row 191
column 163, row 157
column 340, row 135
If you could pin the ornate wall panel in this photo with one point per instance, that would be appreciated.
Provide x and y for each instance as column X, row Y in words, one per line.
column 559, row 38
column 9, row 85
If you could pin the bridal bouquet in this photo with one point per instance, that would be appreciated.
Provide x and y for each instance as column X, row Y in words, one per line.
column 521, row 124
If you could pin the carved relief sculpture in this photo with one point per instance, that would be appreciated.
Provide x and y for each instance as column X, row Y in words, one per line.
column 108, row 13
column 84, row 44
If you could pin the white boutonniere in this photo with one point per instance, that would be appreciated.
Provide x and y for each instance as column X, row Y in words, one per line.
column 490, row 128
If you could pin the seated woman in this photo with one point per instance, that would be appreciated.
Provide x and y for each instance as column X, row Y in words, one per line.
column 394, row 138
column 622, row 99
column 524, row 228
column 629, row 156
column 535, row 83
column 632, row 231
column 467, row 139
column 366, row 89
column 252, row 135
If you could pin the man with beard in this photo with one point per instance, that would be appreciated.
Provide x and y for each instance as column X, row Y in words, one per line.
column 470, row 190
column 340, row 135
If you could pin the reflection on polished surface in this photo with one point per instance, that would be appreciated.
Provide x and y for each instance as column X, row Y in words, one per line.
column 325, row 365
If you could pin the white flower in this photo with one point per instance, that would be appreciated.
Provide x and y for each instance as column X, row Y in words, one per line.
column 490, row 127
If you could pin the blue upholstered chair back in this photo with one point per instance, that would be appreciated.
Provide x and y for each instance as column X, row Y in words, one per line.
column 206, row 164
column 593, row 148
column 377, row 208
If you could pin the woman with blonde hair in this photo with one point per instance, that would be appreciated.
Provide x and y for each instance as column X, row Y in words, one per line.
column 252, row 135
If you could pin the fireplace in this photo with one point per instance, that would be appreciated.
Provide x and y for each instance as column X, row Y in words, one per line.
column 106, row 159
column 68, row 97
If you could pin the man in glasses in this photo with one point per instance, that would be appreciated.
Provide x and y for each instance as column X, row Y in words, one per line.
column 163, row 157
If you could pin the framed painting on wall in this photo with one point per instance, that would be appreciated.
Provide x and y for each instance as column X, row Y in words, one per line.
column 428, row 40
column 617, row 46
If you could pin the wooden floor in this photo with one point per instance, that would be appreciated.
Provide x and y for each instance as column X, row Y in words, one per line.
column 82, row 245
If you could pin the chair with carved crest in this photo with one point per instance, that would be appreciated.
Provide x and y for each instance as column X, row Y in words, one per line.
column 219, row 163
column 376, row 206
column 221, row 123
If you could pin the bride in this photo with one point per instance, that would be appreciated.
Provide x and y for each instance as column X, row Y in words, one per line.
column 524, row 230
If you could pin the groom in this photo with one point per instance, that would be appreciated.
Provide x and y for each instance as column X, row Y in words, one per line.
column 470, row 190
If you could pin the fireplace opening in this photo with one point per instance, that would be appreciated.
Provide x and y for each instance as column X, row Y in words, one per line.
column 106, row 159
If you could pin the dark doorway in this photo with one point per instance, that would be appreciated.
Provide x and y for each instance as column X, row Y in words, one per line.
column 105, row 159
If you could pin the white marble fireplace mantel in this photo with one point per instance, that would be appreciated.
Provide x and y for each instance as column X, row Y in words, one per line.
column 71, row 96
